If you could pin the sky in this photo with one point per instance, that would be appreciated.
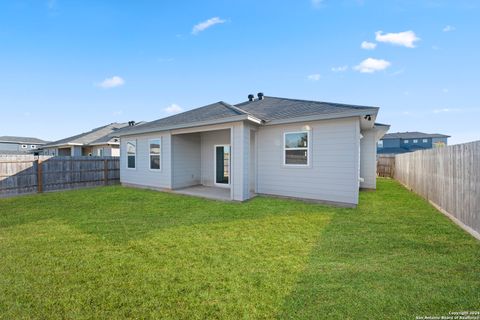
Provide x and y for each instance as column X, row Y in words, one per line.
column 69, row 66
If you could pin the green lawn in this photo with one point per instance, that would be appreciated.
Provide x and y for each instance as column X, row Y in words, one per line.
column 117, row 252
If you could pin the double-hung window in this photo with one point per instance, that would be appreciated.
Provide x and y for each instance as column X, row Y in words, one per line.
column 154, row 147
column 131, row 154
column 296, row 148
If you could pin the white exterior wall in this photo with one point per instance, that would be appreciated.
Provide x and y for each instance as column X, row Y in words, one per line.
column 333, row 173
column 142, row 175
column 208, row 141
column 368, row 159
column 186, row 160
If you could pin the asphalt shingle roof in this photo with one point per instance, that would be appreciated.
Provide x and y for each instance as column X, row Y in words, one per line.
column 101, row 134
column 273, row 108
column 25, row 140
column 267, row 109
column 413, row 135
column 214, row 111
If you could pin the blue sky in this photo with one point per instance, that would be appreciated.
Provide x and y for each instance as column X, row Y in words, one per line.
column 69, row 66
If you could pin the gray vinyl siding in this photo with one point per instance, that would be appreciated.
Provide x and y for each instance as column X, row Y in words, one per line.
column 368, row 163
column 333, row 172
column 142, row 175
column 208, row 141
column 186, row 157
column 10, row 147
column 240, row 161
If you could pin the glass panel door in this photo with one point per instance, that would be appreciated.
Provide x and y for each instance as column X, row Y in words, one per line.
column 222, row 164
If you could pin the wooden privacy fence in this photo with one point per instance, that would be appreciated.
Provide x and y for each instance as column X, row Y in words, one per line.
column 386, row 166
column 449, row 178
column 31, row 174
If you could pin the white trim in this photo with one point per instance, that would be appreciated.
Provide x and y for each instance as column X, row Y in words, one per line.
column 126, row 154
column 222, row 185
column 150, row 154
column 304, row 148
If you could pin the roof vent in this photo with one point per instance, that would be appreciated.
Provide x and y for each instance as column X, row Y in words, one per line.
column 260, row 96
column 131, row 123
column 251, row 97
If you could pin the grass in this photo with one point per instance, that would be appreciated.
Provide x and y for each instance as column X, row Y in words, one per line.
column 117, row 252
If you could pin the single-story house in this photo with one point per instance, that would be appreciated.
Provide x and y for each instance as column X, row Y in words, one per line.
column 275, row 146
column 97, row 142
column 20, row 145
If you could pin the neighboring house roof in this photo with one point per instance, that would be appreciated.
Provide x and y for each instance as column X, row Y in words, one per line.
column 267, row 110
column 413, row 135
column 22, row 140
column 97, row 136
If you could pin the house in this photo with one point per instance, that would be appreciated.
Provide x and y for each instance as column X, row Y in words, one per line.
column 97, row 142
column 401, row 142
column 20, row 145
column 275, row 146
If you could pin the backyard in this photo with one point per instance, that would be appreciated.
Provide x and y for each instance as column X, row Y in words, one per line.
column 117, row 252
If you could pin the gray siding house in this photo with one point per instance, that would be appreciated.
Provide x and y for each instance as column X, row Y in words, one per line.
column 274, row 146
column 97, row 142
column 20, row 145
column 402, row 142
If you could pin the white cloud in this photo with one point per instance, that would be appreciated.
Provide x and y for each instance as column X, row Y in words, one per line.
column 314, row 77
column 447, row 110
column 173, row 109
column 371, row 65
column 206, row 24
column 368, row 45
column 112, row 82
column 340, row 68
column 398, row 72
column 317, row 3
column 448, row 28
column 406, row 38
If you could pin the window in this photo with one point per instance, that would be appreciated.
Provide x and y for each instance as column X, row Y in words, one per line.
column 415, row 141
column 100, row 152
column 131, row 154
column 380, row 143
column 33, row 146
column 154, row 147
column 24, row 146
column 296, row 146
column 425, row 140
column 405, row 141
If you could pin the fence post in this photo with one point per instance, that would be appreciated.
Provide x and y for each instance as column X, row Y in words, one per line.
column 39, row 176
column 105, row 172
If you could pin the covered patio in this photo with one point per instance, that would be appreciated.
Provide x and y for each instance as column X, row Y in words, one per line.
column 208, row 162
column 214, row 193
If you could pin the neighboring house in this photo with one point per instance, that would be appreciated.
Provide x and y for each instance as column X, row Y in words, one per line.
column 284, row 147
column 20, row 145
column 401, row 142
column 97, row 142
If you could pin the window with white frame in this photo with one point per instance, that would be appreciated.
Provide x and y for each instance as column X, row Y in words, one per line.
column 425, row 140
column 33, row 146
column 296, row 146
column 415, row 141
column 131, row 154
column 405, row 141
column 154, row 147
column 380, row 143
column 24, row 146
